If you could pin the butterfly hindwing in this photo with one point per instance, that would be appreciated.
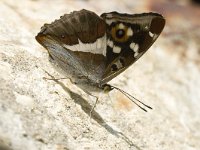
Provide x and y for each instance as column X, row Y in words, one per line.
column 77, row 42
column 128, row 38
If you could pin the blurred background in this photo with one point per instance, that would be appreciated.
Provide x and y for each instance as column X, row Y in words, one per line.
column 38, row 114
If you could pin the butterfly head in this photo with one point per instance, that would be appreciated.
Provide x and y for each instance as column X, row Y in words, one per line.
column 107, row 88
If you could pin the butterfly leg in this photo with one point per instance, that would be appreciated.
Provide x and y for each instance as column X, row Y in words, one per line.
column 93, row 107
column 55, row 79
column 97, row 99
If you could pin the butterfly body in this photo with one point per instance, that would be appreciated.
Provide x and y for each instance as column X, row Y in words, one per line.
column 92, row 50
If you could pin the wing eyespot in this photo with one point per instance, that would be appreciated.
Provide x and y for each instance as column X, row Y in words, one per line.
column 120, row 33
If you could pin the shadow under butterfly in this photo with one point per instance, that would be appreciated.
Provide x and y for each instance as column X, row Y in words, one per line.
column 92, row 50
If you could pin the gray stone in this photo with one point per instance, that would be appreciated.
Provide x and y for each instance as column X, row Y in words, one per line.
column 43, row 114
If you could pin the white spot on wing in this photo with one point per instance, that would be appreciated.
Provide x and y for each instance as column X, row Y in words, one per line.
column 109, row 21
column 116, row 49
column 132, row 45
column 99, row 42
column 135, row 48
column 92, row 46
column 119, row 64
column 84, row 46
column 104, row 45
column 135, row 55
column 98, row 47
column 110, row 43
column 151, row 34
column 129, row 32
column 121, row 26
column 155, row 36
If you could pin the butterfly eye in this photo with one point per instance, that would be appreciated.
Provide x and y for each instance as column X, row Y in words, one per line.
column 119, row 33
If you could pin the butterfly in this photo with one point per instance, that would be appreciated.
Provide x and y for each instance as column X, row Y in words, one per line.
column 91, row 50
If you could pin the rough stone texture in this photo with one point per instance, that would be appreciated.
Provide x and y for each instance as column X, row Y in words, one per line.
column 43, row 114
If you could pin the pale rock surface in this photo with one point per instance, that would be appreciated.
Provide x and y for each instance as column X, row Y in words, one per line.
column 38, row 114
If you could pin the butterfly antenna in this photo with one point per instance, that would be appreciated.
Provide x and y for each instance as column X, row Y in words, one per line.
column 132, row 98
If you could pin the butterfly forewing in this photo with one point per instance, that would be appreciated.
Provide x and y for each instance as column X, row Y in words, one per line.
column 128, row 38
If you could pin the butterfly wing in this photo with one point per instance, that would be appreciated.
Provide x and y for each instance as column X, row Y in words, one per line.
column 77, row 42
column 128, row 38
column 99, row 48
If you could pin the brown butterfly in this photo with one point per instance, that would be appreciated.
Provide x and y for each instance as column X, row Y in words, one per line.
column 92, row 49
